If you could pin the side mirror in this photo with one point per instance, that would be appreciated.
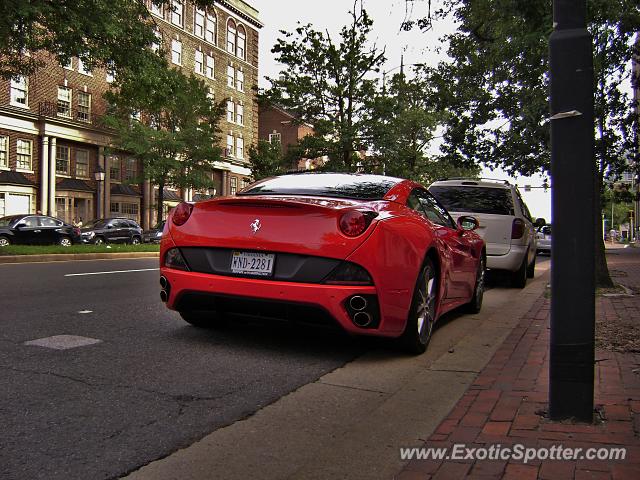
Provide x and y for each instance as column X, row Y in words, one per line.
column 467, row 223
column 540, row 222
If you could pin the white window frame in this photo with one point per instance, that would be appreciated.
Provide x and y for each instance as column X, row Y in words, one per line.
column 231, row 111
column 82, row 69
column 241, row 42
column 240, row 113
column 177, row 12
column 20, row 91
column 199, row 22
column 156, row 9
column 84, row 110
column 82, row 172
column 176, row 52
column 231, row 75
column 130, row 168
column 64, row 104
column 240, row 80
column 68, row 66
column 198, row 63
column 24, row 156
column 232, row 33
column 155, row 46
column 210, row 67
column 4, row 151
column 275, row 137
column 63, row 157
column 229, row 150
column 239, row 147
column 211, row 94
column 209, row 32
column 233, row 185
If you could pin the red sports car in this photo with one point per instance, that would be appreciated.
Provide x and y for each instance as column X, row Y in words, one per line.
column 378, row 255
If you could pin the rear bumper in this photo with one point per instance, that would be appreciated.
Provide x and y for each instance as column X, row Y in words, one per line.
column 191, row 290
column 510, row 261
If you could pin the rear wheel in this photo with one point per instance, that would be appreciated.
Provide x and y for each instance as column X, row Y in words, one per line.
column 531, row 269
column 64, row 242
column 4, row 242
column 519, row 277
column 422, row 315
column 202, row 319
column 98, row 241
column 135, row 241
column 475, row 304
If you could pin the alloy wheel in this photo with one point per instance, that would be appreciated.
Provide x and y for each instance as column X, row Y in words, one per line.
column 426, row 304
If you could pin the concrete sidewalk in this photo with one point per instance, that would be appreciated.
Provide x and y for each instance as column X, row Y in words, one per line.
column 507, row 402
column 352, row 422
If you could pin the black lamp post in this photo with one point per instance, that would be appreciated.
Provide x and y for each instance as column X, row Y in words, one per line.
column 99, row 176
column 571, row 356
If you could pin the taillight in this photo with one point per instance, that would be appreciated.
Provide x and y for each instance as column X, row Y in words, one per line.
column 517, row 228
column 355, row 222
column 182, row 213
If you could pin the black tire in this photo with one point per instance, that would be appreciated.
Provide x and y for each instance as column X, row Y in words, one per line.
column 98, row 241
column 4, row 241
column 65, row 242
column 531, row 269
column 136, row 241
column 519, row 277
column 202, row 319
column 475, row 305
column 419, row 327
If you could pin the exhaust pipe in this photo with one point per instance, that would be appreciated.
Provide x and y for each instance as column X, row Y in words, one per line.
column 164, row 296
column 358, row 303
column 163, row 282
column 362, row 319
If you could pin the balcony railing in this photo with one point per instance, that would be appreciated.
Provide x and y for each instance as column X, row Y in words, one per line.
column 63, row 112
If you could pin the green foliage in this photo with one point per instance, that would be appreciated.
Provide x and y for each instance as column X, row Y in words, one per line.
column 177, row 136
column 111, row 33
column 327, row 84
column 266, row 160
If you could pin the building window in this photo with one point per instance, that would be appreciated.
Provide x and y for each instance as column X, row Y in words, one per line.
column 64, row 101
column 114, row 169
column 82, row 69
column 61, row 205
column 240, row 80
column 231, row 37
column 4, row 155
column 240, row 147
column 19, row 91
column 176, row 52
column 84, row 106
column 23, row 154
column 229, row 149
column 233, row 184
column 129, row 209
column 198, row 23
column 230, row 76
column 241, row 46
column 62, row 159
column 110, row 75
column 210, row 70
column 230, row 111
column 82, row 163
column 199, row 63
column 176, row 12
column 155, row 46
column 240, row 114
column 68, row 65
column 156, row 9
column 210, row 33
column 275, row 138
column 131, row 169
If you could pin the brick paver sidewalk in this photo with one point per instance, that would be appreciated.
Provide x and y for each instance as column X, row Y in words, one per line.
column 507, row 403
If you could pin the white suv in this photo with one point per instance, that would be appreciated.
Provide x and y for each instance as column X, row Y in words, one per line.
column 505, row 222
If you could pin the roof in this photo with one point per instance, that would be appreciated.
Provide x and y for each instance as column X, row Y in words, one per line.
column 74, row 184
column 122, row 189
column 169, row 195
column 9, row 177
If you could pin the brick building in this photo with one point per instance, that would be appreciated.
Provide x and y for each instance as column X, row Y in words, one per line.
column 51, row 135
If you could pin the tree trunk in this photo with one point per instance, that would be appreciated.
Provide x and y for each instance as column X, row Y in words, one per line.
column 160, row 203
column 603, row 279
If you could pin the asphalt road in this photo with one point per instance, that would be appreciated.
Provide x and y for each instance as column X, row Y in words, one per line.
column 151, row 384
column 146, row 384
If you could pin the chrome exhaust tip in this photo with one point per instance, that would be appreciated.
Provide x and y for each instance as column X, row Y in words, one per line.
column 164, row 296
column 362, row 319
column 358, row 303
column 163, row 282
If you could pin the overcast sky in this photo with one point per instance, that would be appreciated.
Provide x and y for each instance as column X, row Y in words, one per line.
column 387, row 16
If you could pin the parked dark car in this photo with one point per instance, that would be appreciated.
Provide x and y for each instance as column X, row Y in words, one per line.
column 153, row 235
column 36, row 230
column 112, row 230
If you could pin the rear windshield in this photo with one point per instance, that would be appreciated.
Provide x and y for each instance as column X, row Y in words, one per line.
column 474, row 199
column 360, row 187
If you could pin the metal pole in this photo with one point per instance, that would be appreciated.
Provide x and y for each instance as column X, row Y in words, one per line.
column 572, row 343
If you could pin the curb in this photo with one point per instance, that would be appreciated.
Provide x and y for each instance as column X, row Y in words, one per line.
column 69, row 257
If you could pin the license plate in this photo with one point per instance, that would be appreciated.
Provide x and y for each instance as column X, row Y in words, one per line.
column 252, row 263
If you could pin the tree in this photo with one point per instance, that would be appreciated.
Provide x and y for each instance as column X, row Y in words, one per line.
column 105, row 33
column 168, row 121
column 327, row 84
column 266, row 160
column 496, row 82
column 401, row 127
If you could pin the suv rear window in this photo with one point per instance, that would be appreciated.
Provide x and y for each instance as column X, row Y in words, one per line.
column 474, row 199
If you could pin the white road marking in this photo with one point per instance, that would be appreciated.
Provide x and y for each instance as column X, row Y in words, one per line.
column 63, row 342
column 85, row 311
column 113, row 271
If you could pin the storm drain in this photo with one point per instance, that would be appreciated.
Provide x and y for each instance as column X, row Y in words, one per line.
column 62, row 342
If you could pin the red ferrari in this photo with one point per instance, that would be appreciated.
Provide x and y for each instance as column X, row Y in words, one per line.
column 378, row 255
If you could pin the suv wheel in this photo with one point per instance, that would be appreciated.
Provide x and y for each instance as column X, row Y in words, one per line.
column 64, row 242
column 519, row 277
column 135, row 241
column 531, row 269
column 98, row 241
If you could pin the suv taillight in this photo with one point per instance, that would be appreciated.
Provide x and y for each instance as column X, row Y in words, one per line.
column 517, row 228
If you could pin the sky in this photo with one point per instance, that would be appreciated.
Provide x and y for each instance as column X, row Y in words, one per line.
column 387, row 16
